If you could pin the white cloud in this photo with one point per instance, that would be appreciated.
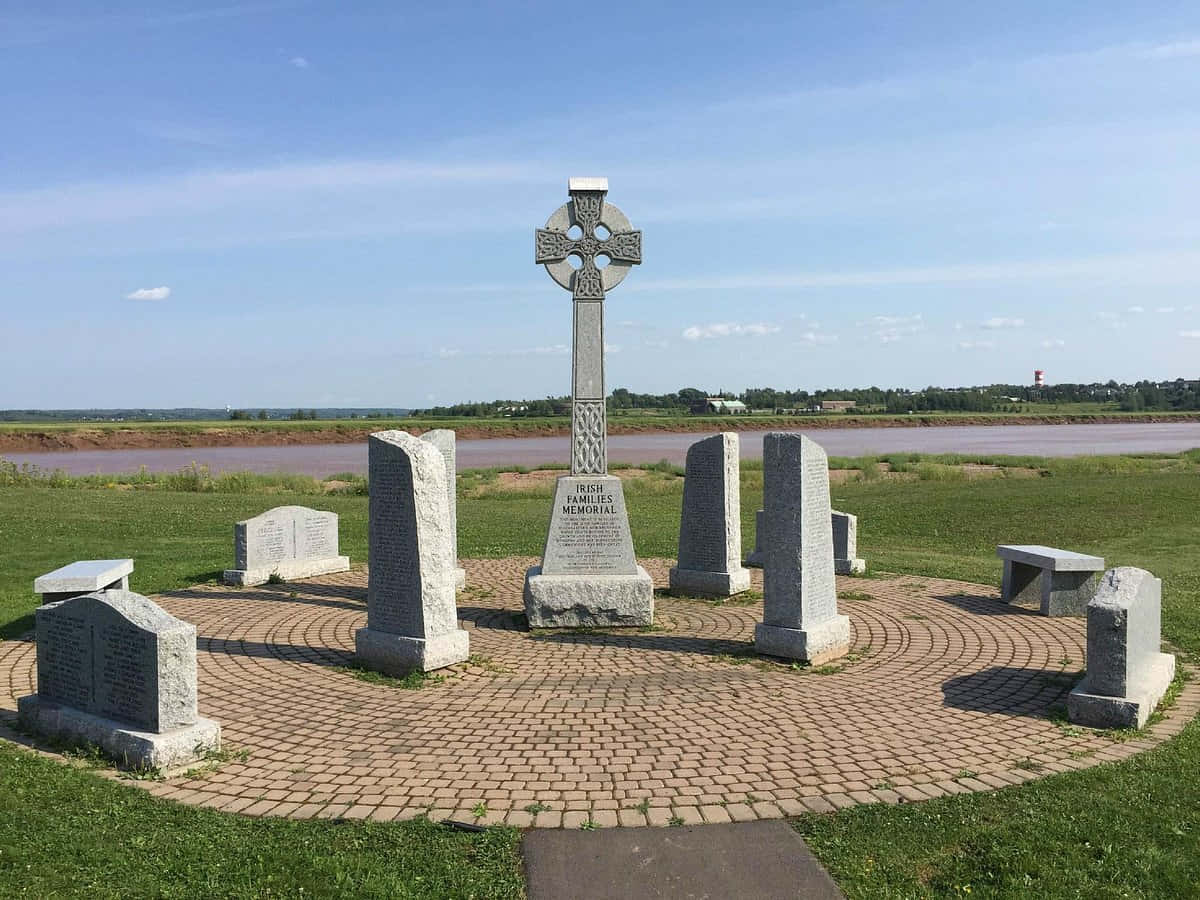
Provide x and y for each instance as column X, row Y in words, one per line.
column 1173, row 50
column 728, row 329
column 1165, row 309
column 158, row 293
column 1136, row 310
column 1002, row 322
column 657, row 345
column 1194, row 333
column 299, row 62
column 818, row 340
column 449, row 352
column 1108, row 316
column 887, row 321
column 611, row 348
column 976, row 345
column 1053, row 343
column 890, row 329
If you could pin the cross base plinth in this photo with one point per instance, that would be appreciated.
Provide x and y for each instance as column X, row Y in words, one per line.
column 588, row 600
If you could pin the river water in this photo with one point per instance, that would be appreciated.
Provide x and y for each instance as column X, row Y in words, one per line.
column 327, row 459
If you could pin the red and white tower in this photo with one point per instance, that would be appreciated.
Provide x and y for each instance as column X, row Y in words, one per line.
column 1039, row 378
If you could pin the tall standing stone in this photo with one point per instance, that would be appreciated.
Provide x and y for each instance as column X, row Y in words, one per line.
column 444, row 439
column 1127, row 674
column 710, row 528
column 800, row 617
column 116, row 670
column 588, row 575
column 412, row 621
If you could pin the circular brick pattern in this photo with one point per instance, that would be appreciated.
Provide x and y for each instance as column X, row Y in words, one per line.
column 946, row 690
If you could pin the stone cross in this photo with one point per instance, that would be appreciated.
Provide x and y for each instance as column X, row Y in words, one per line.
column 580, row 232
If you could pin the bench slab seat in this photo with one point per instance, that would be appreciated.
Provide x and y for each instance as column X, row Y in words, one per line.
column 1061, row 581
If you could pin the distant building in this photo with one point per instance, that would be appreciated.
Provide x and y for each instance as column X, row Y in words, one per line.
column 721, row 406
column 838, row 405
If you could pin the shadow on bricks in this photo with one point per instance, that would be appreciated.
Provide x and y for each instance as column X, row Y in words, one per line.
column 1008, row 689
column 665, row 642
column 320, row 656
column 981, row 605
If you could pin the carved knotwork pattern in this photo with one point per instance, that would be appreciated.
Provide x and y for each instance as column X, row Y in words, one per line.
column 551, row 246
column 625, row 246
column 587, row 210
column 589, row 283
column 588, row 450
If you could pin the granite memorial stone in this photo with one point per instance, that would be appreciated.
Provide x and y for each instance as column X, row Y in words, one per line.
column 84, row 577
column 116, row 670
column 710, row 528
column 287, row 541
column 444, row 439
column 412, row 620
column 1127, row 674
column 588, row 575
column 845, row 545
column 800, row 617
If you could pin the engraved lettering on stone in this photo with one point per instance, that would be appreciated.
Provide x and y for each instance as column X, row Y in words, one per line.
column 65, row 660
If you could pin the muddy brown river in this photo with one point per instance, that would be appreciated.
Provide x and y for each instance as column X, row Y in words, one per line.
column 327, row 459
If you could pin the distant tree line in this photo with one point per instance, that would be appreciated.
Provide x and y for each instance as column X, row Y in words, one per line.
column 1179, row 394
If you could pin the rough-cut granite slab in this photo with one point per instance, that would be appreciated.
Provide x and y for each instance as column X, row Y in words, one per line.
column 412, row 620
column 1127, row 674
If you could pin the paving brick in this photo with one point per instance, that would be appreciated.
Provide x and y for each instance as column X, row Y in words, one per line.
column 563, row 722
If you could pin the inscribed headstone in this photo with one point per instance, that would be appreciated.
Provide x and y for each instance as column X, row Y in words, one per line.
column 845, row 545
column 287, row 541
column 445, row 440
column 710, row 527
column 116, row 669
column 412, row 620
column 800, row 617
column 1127, row 674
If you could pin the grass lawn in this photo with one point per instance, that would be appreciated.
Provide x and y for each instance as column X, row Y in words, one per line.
column 1125, row 830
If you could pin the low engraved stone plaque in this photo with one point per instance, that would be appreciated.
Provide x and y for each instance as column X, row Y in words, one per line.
column 287, row 541
column 588, row 575
column 116, row 670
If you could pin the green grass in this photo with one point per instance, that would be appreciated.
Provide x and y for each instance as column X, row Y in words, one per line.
column 1131, row 829
column 66, row 833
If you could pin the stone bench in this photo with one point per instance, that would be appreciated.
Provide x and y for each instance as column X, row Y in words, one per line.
column 1063, row 582
column 84, row 577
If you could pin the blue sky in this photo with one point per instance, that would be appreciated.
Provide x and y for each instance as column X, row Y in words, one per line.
column 272, row 204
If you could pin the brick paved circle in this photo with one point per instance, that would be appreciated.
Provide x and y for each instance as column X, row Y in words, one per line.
column 947, row 690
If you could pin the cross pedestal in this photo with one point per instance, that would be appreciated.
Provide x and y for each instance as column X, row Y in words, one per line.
column 589, row 575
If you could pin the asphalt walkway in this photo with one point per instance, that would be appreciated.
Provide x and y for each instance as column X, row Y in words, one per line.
column 764, row 860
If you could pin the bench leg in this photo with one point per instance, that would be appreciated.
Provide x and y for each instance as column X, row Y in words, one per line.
column 1068, row 593
column 1020, row 582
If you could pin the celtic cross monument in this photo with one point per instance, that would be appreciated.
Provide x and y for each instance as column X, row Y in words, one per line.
column 588, row 575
